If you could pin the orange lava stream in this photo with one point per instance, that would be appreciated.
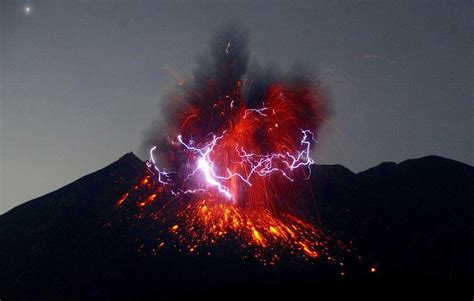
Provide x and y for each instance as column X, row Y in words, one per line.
column 201, row 223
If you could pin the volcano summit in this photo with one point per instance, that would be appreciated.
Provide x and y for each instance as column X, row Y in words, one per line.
column 76, row 242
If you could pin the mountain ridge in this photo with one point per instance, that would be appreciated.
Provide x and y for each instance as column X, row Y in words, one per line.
column 411, row 221
column 130, row 156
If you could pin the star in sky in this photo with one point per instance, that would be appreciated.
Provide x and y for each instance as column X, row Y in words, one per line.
column 27, row 9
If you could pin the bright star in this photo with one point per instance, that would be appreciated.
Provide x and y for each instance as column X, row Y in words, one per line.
column 27, row 9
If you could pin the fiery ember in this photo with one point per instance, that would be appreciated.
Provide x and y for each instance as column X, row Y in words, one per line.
column 232, row 164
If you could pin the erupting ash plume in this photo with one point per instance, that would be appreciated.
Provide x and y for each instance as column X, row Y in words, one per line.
column 245, row 134
column 234, row 156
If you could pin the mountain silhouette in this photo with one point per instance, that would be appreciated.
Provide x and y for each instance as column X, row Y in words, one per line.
column 410, row 222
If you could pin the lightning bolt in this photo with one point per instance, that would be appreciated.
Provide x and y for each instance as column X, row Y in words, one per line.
column 259, row 165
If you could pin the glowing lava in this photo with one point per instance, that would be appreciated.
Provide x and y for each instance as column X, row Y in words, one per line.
column 236, row 165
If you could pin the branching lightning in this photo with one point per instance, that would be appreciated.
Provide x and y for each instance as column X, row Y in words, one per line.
column 259, row 165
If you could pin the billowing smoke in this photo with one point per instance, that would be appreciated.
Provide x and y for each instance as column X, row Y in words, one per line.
column 221, row 74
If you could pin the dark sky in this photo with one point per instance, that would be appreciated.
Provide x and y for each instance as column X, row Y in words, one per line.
column 81, row 80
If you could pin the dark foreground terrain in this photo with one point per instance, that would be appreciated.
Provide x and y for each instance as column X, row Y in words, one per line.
column 412, row 222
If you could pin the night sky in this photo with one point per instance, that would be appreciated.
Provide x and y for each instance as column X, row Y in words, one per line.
column 82, row 80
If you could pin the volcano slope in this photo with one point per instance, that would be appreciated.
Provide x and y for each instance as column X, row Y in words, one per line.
column 409, row 225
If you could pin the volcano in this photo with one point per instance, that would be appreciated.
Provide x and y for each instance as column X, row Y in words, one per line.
column 405, row 225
